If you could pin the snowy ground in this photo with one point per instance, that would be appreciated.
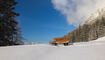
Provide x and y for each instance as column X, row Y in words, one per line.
column 94, row 50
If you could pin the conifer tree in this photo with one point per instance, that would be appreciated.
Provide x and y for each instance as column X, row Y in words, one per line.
column 8, row 24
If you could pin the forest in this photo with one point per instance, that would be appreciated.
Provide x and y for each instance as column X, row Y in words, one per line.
column 91, row 31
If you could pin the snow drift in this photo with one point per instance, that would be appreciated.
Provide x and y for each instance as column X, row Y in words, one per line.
column 94, row 50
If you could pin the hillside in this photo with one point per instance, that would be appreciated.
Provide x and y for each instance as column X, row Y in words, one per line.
column 91, row 29
column 93, row 50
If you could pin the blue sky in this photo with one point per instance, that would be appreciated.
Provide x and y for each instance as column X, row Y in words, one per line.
column 40, row 22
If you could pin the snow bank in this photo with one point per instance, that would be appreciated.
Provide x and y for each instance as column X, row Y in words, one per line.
column 94, row 50
column 99, row 41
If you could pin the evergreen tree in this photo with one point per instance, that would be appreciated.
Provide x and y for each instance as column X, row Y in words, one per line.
column 8, row 24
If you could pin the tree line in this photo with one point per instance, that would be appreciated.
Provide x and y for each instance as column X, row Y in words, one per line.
column 87, row 32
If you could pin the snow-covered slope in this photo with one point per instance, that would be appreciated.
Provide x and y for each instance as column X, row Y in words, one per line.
column 94, row 50
column 96, row 15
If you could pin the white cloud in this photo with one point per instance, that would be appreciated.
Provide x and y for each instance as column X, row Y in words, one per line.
column 77, row 11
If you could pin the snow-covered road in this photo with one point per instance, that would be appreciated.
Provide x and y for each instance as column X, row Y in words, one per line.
column 94, row 50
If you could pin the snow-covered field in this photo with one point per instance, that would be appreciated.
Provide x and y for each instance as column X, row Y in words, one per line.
column 94, row 50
